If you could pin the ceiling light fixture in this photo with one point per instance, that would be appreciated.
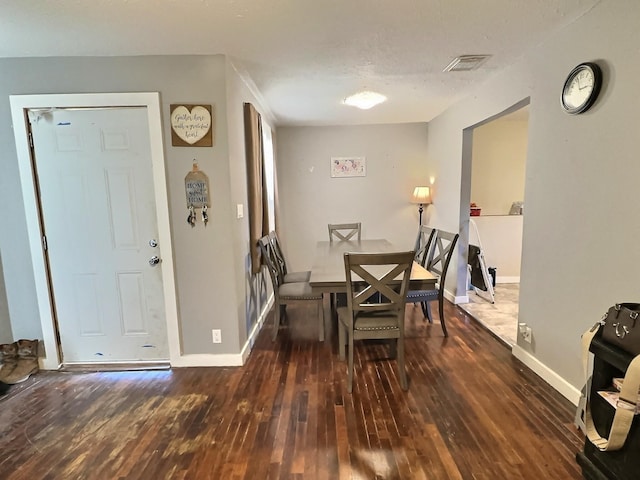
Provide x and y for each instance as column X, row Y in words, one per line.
column 365, row 100
column 465, row 63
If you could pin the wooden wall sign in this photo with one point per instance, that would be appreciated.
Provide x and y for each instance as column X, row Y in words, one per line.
column 196, row 185
column 192, row 125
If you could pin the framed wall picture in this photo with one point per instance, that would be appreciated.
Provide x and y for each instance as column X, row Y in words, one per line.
column 348, row 167
column 192, row 125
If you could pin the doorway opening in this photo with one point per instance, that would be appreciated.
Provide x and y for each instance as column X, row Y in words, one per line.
column 494, row 164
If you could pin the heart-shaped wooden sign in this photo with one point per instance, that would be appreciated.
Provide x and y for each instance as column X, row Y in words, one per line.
column 191, row 124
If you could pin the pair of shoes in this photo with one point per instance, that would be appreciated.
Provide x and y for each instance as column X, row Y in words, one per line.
column 19, row 361
column 9, row 358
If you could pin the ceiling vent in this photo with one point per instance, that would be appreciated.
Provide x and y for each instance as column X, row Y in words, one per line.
column 465, row 63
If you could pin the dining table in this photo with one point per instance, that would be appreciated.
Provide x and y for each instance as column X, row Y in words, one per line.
column 327, row 270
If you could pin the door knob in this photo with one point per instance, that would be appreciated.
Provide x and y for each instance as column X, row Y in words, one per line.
column 153, row 261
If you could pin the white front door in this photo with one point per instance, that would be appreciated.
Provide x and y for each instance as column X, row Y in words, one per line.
column 94, row 174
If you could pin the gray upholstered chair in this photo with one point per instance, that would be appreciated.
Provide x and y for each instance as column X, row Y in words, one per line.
column 437, row 262
column 385, row 278
column 288, row 277
column 344, row 231
column 288, row 293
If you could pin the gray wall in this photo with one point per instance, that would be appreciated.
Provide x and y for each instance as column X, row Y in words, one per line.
column 581, row 223
column 6, row 333
column 210, row 280
column 310, row 198
column 252, row 291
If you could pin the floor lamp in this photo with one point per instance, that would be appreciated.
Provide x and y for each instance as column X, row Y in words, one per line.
column 421, row 196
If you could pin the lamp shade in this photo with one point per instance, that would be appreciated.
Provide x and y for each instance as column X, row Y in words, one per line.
column 421, row 195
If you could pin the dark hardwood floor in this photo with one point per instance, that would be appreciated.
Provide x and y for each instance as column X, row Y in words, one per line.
column 472, row 412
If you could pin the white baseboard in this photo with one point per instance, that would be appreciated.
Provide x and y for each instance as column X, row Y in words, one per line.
column 248, row 345
column 455, row 299
column 567, row 390
column 460, row 299
column 201, row 359
column 227, row 359
column 208, row 360
column 507, row 279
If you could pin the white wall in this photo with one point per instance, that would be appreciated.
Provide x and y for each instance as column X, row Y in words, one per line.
column 580, row 225
column 501, row 238
column 310, row 199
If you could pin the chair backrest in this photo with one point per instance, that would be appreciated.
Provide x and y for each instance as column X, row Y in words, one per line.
column 443, row 248
column 277, row 252
column 424, row 244
column 369, row 274
column 266, row 248
column 344, row 231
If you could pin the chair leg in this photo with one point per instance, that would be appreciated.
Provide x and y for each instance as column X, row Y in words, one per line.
column 393, row 348
column 276, row 322
column 321, row 320
column 332, row 304
column 404, row 383
column 341, row 340
column 441, row 312
column 350, row 371
column 426, row 311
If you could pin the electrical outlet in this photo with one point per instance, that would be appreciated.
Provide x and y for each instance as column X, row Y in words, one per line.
column 217, row 335
column 527, row 334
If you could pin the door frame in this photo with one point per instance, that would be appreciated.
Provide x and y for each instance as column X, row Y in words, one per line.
column 149, row 100
column 465, row 193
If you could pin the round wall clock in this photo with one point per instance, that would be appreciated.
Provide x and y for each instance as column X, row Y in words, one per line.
column 581, row 88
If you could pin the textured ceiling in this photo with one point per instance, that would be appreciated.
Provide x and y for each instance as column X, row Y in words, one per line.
column 304, row 56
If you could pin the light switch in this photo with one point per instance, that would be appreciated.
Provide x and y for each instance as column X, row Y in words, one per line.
column 239, row 210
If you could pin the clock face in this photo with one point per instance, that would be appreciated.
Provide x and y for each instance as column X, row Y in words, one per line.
column 581, row 88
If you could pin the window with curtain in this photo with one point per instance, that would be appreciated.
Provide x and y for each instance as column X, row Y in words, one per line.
column 256, row 198
column 260, row 180
column 269, row 174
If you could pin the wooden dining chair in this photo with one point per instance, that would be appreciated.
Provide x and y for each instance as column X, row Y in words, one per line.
column 375, row 275
column 344, row 231
column 423, row 247
column 436, row 262
column 424, row 243
column 288, row 277
column 288, row 293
